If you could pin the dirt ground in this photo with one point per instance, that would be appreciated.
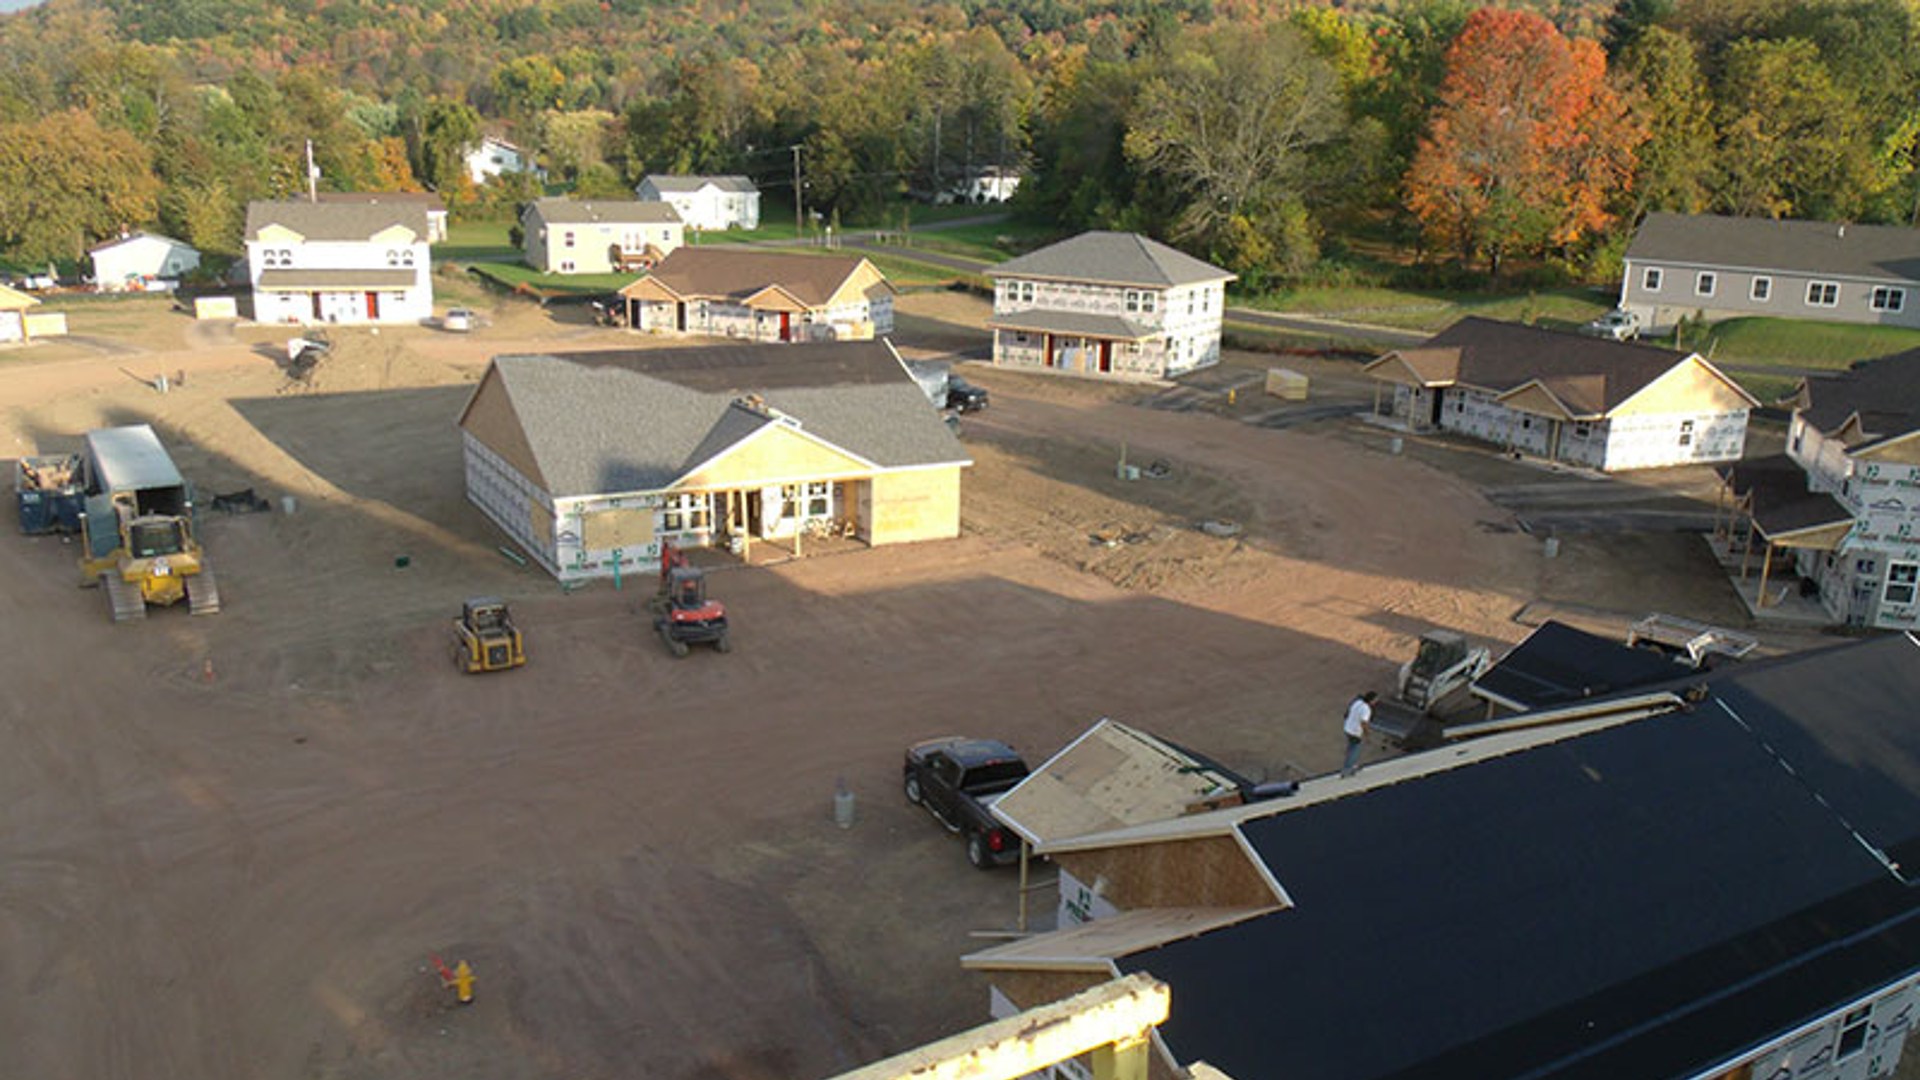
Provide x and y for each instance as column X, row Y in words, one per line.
column 233, row 843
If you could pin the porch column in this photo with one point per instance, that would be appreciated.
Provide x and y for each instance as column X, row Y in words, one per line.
column 1376, row 397
column 1766, row 564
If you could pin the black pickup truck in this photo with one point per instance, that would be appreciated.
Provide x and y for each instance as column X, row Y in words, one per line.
column 957, row 779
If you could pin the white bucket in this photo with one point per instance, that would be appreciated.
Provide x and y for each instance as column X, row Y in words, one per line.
column 1552, row 547
column 1395, row 445
column 288, row 504
column 843, row 807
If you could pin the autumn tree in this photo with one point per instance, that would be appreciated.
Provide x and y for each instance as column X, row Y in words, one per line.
column 448, row 129
column 1528, row 145
column 1232, row 122
column 66, row 182
column 1670, row 100
column 1790, row 135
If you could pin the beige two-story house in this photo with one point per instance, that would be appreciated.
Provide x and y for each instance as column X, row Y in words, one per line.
column 1108, row 305
column 565, row 236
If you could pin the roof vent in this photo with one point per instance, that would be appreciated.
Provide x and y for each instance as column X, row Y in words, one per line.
column 1843, row 232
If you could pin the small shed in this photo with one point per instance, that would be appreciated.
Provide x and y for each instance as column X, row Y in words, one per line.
column 13, row 315
column 139, row 261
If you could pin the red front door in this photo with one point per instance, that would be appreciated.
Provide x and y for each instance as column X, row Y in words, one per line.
column 317, row 316
column 373, row 307
column 786, row 326
column 1106, row 356
column 1049, row 360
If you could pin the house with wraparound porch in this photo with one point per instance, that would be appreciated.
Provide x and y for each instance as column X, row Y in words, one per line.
column 1569, row 398
column 1108, row 305
column 589, row 462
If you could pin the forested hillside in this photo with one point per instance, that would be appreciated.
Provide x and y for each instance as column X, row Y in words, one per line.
column 1264, row 135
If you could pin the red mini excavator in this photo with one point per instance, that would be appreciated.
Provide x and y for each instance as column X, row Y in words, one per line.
column 683, row 614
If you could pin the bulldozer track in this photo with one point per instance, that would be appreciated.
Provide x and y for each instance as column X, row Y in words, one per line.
column 203, row 592
column 124, row 598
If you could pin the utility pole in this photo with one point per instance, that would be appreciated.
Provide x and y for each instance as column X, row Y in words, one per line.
column 313, row 175
column 797, row 233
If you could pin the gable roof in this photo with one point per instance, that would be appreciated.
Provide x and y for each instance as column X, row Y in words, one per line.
column 1112, row 258
column 424, row 199
column 1873, row 252
column 558, row 210
column 133, row 236
column 1590, row 375
column 335, row 221
column 1783, row 506
column 1111, row 776
column 12, row 299
column 1648, row 899
column 714, row 273
column 1883, row 393
column 614, row 422
column 679, row 184
column 1558, row 663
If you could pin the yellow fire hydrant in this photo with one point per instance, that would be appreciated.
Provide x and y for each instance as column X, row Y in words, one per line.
column 463, row 982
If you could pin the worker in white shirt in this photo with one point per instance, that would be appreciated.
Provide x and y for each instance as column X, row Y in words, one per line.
column 1359, row 719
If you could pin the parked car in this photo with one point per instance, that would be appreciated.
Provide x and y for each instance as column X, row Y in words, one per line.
column 957, row 780
column 1618, row 324
column 965, row 396
column 457, row 320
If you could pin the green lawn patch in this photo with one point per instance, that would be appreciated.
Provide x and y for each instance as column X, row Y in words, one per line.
column 476, row 241
column 515, row 275
column 907, row 270
column 1432, row 311
column 1802, row 343
column 1766, row 388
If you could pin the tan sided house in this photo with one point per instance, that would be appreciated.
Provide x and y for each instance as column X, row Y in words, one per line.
column 762, row 296
column 1108, row 305
column 567, row 236
column 589, row 461
column 1569, row 398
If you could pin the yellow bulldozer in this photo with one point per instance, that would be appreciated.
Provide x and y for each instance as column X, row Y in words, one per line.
column 137, row 530
column 485, row 638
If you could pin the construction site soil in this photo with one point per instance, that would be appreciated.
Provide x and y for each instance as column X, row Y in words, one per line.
column 233, row 844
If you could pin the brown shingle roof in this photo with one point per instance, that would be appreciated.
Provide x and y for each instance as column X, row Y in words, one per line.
column 1596, row 373
column 709, row 273
column 1884, row 392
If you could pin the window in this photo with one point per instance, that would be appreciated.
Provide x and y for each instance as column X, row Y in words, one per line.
column 1853, row 1033
column 1902, row 580
column 1650, row 280
column 1823, row 293
column 1146, row 301
column 1704, row 282
column 1761, row 290
column 1582, row 431
column 566, row 238
column 1686, row 433
column 1886, row 298
column 819, row 502
column 686, row 513
column 1026, row 292
column 1133, row 300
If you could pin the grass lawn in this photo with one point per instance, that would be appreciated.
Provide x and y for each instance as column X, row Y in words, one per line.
column 472, row 241
column 1767, row 388
column 1433, row 311
column 983, row 242
column 906, row 270
column 513, row 275
column 1803, row 344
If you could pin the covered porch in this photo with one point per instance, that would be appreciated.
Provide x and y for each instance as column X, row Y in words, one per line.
column 1078, row 343
column 1410, row 386
column 1766, row 522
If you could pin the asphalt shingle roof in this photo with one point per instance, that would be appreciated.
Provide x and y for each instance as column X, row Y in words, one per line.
column 1558, row 664
column 611, row 422
column 732, row 183
column 1112, row 258
column 1875, row 252
column 1643, row 900
column 1781, row 502
column 336, row 221
column 1588, row 372
column 718, row 273
column 1884, row 392
column 1045, row 321
column 560, row 211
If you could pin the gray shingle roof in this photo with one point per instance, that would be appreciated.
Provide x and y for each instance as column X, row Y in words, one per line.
column 336, row 221
column 108, row 245
column 1112, row 258
column 1885, row 392
column 735, row 183
column 297, row 280
column 611, row 422
column 425, row 199
column 559, row 211
column 1873, row 252
column 1040, row 320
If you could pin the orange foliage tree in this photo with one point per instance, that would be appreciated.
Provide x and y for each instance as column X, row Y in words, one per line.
column 1528, row 145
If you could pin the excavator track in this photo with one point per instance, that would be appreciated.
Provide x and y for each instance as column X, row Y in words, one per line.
column 203, row 592
column 124, row 598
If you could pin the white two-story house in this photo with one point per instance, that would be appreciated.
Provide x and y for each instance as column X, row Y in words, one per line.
column 1108, row 305
column 314, row 262
column 1852, row 525
column 494, row 156
column 706, row 202
column 565, row 236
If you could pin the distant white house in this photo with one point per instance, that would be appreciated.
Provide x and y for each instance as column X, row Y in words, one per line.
column 598, row 236
column 312, row 262
column 495, row 156
column 991, row 184
column 137, row 261
column 425, row 200
column 706, row 202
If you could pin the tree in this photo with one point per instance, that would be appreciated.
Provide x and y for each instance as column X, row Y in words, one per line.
column 1231, row 122
column 1791, row 138
column 1528, row 144
column 66, row 182
column 447, row 131
column 1671, row 102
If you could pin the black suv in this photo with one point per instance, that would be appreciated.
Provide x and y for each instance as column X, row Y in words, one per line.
column 957, row 779
column 965, row 397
